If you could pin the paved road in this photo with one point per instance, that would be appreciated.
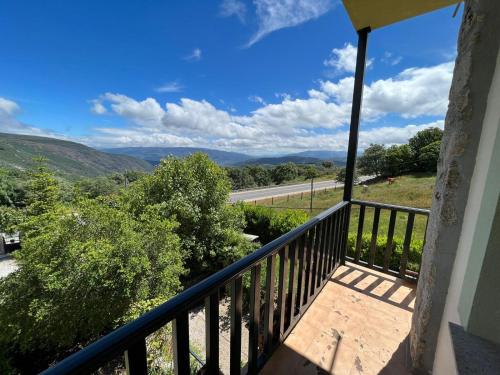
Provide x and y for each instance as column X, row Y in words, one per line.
column 7, row 265
column 251, row 195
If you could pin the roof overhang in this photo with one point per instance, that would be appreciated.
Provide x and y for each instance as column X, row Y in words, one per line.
column 378, row 13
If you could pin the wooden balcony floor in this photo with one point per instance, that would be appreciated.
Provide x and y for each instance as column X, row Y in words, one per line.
column 358, row 324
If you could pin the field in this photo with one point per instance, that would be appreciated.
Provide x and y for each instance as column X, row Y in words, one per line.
column 412, row 190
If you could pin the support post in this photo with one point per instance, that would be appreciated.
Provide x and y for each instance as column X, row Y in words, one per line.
column 357, row 99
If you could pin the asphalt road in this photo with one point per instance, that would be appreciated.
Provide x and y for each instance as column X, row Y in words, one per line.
column 251, row 195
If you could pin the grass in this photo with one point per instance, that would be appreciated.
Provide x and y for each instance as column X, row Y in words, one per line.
column 411, row 190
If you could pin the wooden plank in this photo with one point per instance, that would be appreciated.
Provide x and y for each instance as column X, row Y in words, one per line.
column 212, row 333
column 373, row 243
column 136, row 359
column 253, row 334
column 269, row 308
column 390, row 235
column 406, row 245
column 235, row 343
column 359, row 237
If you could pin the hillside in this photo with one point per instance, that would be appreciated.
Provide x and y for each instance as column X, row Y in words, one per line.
column 154, row 154
column 69, row 159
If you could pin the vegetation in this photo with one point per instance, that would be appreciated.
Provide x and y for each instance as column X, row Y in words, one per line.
column 259, row 175
column 68, row 159
column 270, row 224
column 96, row 261
column 419, row 155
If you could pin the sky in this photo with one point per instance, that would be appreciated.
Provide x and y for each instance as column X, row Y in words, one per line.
column 261, row 77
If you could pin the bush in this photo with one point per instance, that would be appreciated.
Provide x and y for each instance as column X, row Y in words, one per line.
column 414, row 256
column 83, row 270
column 270, row 224
column 195, row 192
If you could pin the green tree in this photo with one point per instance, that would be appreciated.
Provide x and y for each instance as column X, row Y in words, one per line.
column 428, row 157
column 327, row 164
column 341, row 175
column 240, row 178
column 311, row 172
column 398, row 160
column 95, row 187
column 12, row 192
column 419, row 141
column 261, row 175
column 43, row 191
column 284, row 172
column 372, row 160
column 195, row 192
column 83, row 270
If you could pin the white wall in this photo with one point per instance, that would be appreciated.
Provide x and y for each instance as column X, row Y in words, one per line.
column 478, row 218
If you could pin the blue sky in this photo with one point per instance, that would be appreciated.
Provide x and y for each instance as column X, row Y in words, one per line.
column 260, row 76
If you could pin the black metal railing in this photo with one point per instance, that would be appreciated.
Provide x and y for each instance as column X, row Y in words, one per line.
column 387, row 260
column 307, row 255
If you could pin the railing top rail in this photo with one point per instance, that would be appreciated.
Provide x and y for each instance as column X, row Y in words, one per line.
column 119, row 340
column 420, row 211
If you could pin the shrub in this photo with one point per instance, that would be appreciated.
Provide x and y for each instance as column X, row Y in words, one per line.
column 414, row 255
column 83, row 270
column 195, row 192
column 270, row 224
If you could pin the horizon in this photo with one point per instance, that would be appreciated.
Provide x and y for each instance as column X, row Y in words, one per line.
column 259, row 78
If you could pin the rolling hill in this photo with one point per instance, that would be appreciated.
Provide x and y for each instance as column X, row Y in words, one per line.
column 69, row 159
column 154, row 154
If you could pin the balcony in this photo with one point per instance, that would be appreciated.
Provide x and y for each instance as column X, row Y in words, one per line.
column 310, row 303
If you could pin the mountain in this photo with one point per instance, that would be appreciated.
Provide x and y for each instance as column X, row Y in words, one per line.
column 275, row 160
column 323, row 155
column 154, row 154
column 70, row 159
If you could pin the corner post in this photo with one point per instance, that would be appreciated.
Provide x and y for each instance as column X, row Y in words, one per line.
column 357, row 99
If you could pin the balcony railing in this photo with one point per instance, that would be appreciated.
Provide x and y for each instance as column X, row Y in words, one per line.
column 297, row 266
column 384, row 261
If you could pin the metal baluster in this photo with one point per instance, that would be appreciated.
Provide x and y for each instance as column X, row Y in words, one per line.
column 253, row 332
column 406, row 245
column 136, row 358
column 390, row 235
column 373, row 243
column 212, row 332
column 235, row 344
column 269, row 312
column 180, row 328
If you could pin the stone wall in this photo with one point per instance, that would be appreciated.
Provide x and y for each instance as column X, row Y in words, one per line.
column 475, row 64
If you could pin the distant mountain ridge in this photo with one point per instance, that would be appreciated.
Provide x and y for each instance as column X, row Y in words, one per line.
column 154, row 154
column 275, row 160
column 64, row 157
column 227, row 158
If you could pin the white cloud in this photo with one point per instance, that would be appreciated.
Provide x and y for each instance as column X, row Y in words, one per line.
column 195, row 55
column 235, row 8
column 97, row 107
column 413, row 92
column 257, row 99
column 10, row 124
column 318, row 121
column 173, row 86
column 8, row 107
column 390, row 59
column 343, row 60
column 273, row 15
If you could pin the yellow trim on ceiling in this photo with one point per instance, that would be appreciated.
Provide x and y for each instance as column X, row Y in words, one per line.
column 378, row 13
